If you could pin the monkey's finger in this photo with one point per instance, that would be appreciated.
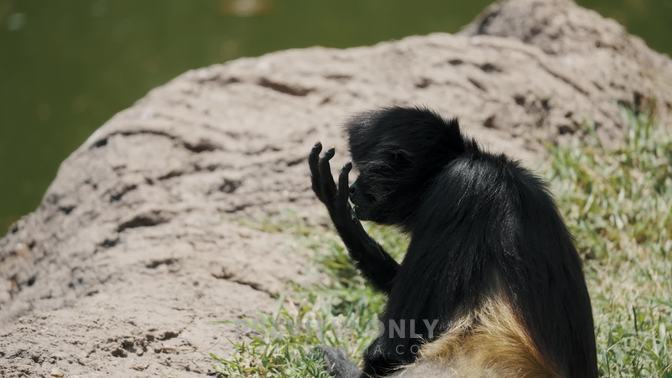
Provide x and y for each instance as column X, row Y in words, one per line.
column 313, row 163
column 326, row 179
column 343, row 187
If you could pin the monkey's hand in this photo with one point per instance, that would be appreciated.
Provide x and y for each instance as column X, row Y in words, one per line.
column 337, row 363
column 335, row 198
column 372, row 260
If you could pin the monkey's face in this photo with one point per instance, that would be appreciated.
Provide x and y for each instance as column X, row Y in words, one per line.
column 362, row 200
column 372, row 195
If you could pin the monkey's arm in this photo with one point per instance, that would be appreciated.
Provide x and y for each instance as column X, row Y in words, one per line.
column 375, row 264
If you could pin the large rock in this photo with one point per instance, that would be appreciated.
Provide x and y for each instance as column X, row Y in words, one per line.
column 607, row 68
column 143, row 239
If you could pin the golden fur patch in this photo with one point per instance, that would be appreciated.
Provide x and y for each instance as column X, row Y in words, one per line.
column 489, row 341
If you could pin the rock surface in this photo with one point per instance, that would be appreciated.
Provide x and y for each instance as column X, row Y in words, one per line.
column 143, row 241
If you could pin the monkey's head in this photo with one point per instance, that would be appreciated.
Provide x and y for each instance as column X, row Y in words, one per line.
column 397, row 152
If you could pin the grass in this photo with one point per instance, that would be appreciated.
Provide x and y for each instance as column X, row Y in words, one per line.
column 617, row 204
column 342, row 312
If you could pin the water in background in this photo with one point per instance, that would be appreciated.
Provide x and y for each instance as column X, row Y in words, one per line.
column 66, row 66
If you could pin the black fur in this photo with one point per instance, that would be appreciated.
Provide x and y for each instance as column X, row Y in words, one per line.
column 472, row 216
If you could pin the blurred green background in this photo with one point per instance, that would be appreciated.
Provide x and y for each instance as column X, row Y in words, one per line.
column 66, row 66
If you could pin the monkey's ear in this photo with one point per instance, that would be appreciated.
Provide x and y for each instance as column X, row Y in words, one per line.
column 454, row 135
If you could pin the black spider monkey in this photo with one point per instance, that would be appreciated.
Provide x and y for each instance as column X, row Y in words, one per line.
column 491, row 278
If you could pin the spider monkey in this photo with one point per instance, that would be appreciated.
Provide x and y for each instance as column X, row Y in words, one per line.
column 491, row 280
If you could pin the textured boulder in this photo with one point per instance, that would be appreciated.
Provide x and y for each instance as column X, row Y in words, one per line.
column 606, row 67
column 143, row 240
